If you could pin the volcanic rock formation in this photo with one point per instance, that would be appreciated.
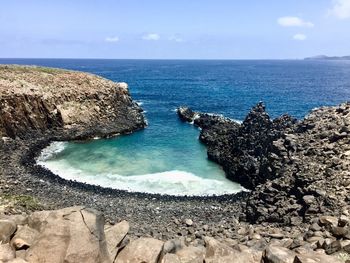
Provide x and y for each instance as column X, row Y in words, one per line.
column 294, row 169
column 36, row 100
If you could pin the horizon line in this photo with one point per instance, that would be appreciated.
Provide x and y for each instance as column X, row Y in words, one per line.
column 71, row 58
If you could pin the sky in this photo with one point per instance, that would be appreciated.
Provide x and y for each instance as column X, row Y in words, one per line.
column 178, row 29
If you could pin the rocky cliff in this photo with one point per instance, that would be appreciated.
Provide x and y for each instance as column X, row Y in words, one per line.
column 35, row 100
column 295, row 169
column 246, row 151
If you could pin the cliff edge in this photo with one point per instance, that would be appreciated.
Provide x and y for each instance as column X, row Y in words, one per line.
column 35, row 100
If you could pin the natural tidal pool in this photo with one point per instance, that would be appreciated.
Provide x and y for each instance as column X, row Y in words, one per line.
column 141, row 163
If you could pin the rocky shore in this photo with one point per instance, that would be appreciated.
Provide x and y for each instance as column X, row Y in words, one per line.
column 79, row 234
column 297, row 172
column 295, row 169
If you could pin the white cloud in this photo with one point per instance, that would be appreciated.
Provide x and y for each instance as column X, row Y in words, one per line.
column 299, row 37
column 112, row 39
column 293, row 21
column 151, row 36
column 341, row 9
column 176, row 39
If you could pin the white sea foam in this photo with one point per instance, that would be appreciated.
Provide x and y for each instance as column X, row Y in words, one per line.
column 197, row 116
column 51, row 150
column 177, row 183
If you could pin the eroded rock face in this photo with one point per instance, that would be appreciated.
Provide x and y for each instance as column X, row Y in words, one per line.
column 36, row 99
column 295, row 169
column 246, row 151
column 315, row 175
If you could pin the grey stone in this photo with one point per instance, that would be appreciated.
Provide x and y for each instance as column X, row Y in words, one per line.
column 72, row 235
column 114, row 236
column 24, row 237
column 274, row 254
column 141, row 250
column 7, row 229
column 6, row 252
column 339, row 232
column 332, row 247
column 328, row 221
column 188, row 222
column 191, row 254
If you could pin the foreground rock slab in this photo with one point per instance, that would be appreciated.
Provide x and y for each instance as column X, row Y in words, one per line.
column 141, row 250
column 78, row 234
column 70, row 235
column 114, row 236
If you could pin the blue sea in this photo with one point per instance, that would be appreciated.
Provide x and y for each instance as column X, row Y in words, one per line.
column 167, row 157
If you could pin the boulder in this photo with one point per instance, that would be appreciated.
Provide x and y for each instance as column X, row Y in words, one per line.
column 6, row 252
column 37, row 220
column 146, row 250
column 170, row 258
column 343, row 220
column 328, row 221
column 21, row 253
column 274, row 254
column 188, row 222
column 339, row 231
column 316, row 258
column 114, row 236
column 24, row 237
column 331, row 246
column 7, row 229
column 217, row 252
column 172, row 246
column 70, row 235
column 191, row 254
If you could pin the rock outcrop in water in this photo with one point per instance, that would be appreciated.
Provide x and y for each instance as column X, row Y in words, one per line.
column 37, row 100
column 295, row 169
column 246, row 151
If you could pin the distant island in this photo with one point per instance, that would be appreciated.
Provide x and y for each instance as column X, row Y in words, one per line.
column 323, row 57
